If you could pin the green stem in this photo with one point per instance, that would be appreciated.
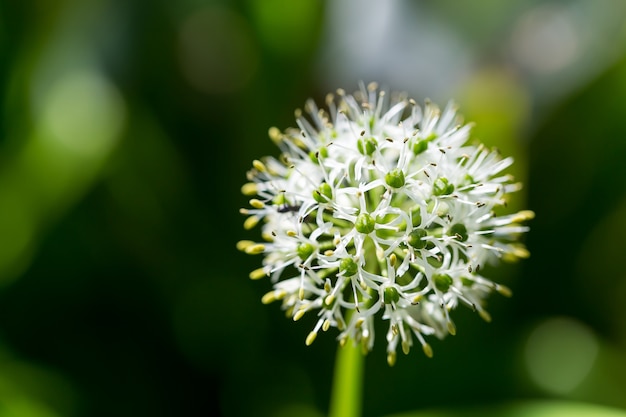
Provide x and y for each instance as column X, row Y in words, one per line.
column 347, row 390
column 346, row 394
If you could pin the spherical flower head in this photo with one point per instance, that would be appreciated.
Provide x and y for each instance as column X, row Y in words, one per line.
column 378, row 208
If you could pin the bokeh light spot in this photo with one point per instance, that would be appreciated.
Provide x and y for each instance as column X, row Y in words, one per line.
column 559, row 354
column 84, row 113
column 545, row 40
column 286, row 26
column 217, row 51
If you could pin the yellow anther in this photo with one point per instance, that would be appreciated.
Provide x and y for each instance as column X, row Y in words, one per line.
column 417, row 299
column 428, row 351
column 359, row 323
column 327, row 286
column 484, row 315
column 329, row 252
column 299, row 314
column 392, row 259
column 298, row 142
column 258, row 273
column 268, row 298
column 406, row 347
column 329, row 299
column 521, row 252
column 504, row 290
column 391, row 358
column 451, row 328
column 326, row 325
column 301, row 294
column 267, row 236
column 249, row 188
column 310, row 338
column 242, row 245
column 251, row 222
column 523, row 216
column 255, row 249
column 275, row 134
column 292, row 233
column 256, row 203
column 259, row 166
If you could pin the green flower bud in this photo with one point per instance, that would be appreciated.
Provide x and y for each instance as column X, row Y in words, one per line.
column 391, row 295
column 364, row 223
column 395, row 178
column 323, row 194
column 366, row 146
column 442, row 186
column 305, row 250
column 459, row 230
column 442, row 282
column 421, row 145
column 415, row 238
column 348, row 267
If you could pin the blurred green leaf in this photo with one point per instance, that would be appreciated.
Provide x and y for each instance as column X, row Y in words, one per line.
column 524, row 409
column 286, row 27
column 31, row 391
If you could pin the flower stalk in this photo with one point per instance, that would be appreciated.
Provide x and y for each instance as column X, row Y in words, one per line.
column 347, row 388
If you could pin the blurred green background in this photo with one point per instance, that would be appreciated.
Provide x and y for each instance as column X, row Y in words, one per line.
column 126, row 129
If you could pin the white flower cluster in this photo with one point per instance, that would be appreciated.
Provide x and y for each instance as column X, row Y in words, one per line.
column 377, row 207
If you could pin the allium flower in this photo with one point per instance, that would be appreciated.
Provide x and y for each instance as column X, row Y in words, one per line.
column 379, row 208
